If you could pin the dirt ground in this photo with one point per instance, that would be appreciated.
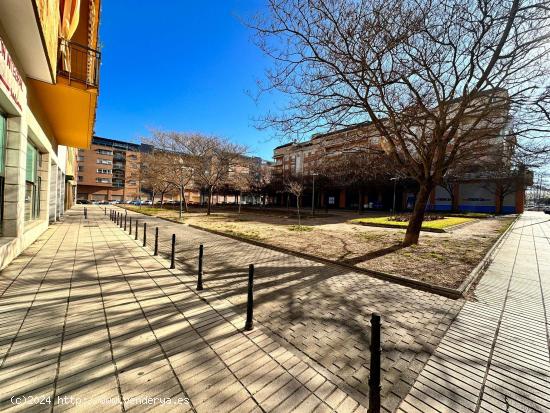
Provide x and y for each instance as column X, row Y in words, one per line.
column 444, row 259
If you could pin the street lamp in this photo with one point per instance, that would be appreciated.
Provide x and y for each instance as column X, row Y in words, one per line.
column 394, row 185
column 313, row 194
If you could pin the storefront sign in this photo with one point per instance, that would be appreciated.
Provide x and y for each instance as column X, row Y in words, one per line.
column 10, row 77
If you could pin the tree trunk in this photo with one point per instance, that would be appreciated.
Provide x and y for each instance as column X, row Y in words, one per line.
column 161, row 200
column 181, row 202
column 240, row 196
column 152, row 199
column 185, row 200
column 298, row 207
column 360, row 206
column 417, row 215
column 210, row 190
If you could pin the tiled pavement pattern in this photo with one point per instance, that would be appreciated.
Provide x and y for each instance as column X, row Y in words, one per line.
column 495, row 356
column 320, row 311
column 91, row 322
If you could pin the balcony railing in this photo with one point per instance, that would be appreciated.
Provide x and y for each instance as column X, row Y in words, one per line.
column 78, row 63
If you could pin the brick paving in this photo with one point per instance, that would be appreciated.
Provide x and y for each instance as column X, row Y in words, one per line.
column 319, row 312
column 496, row 355
column 92, row 322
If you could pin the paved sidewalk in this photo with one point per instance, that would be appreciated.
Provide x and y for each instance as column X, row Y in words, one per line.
column 495, row 356
column 90, row 321
column 321, row 312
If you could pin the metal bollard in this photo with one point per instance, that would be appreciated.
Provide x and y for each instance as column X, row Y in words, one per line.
column 130, row 225
column 156, row 252
column 375, row 355
column 144, row 234
column 173, row 254
column 249, row 325
column 136, row 234
column 85, row 213
column 125, row 216
column 111, row 214
column 105, row 211
column 199, row 275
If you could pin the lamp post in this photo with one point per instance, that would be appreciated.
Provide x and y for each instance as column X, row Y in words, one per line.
column 313, row 194
column 394, row 185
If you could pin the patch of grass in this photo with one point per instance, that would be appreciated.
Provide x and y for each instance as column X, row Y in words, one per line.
column 438, row 224
column 300, row 228
column 252, row 235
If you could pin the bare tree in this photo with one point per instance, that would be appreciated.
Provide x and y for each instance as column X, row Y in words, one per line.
column 201, row 159
column 296, row 188
column 154, row 175
column 439, row 81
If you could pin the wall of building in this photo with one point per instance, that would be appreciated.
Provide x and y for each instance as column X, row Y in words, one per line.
column 25, row 205
column 115, row 162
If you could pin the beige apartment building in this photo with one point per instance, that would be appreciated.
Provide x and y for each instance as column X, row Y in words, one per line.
column 110, row 170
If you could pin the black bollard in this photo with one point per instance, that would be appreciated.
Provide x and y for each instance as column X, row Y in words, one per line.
column 156, row 252
column 144, row 234
column 173, row 254
column 85, row 213
column 199, row 275
column 136, row 234
column 249, row 325
column 105, row 211
column 375, row 355
column 125, row 216
column 130, row 225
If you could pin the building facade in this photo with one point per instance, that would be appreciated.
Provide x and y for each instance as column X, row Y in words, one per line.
column 342, row 184
column 110, row 170
column 49, row 67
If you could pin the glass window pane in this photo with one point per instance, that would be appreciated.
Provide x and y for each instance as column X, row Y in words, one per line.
column 2, row 143
column 32, row 156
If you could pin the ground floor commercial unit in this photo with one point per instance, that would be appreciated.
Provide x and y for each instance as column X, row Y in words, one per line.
column 468, row 196
column 34, row 186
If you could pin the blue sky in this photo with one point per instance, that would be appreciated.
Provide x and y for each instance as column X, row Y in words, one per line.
column 180, row 65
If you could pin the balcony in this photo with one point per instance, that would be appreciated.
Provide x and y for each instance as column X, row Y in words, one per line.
column 78, row 63
column 69, row 104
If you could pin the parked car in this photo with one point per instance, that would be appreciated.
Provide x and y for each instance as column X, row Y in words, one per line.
column 83, row 201
column 547, row 210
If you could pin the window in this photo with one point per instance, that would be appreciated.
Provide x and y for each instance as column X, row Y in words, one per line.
column 103, row 152
column 80, row 168
column 80, row 178
column 3, row 128
column 103, row 180
column 133, row 157
column 104, row 171
column 131, row 182
column 32, row 184
column 80, row 158
column 104, row 161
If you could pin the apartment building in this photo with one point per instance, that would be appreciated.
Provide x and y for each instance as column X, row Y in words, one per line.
column 49, row 79
column 319, row 160
column 110, row 170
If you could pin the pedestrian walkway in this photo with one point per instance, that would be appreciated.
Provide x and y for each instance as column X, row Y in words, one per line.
column 90, row 321
column 320, row 312
column 495, row 356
